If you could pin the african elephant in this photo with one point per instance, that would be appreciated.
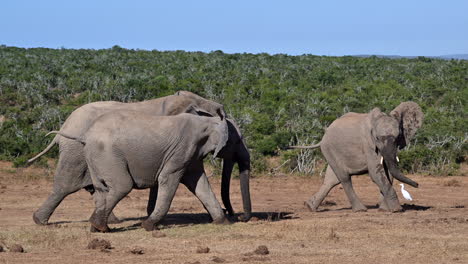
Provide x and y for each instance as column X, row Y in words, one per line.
column 235, row 151
column 356, row 144
column 72, row 175
column 129, row 149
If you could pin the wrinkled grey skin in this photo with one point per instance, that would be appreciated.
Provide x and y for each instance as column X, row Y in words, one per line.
column 355, row 143
column 72, row 175
column 128, row 149
column 235, row 151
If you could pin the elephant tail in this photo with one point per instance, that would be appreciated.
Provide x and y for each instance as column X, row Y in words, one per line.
column 67, row 136
column 44, row 151
column 305, row 147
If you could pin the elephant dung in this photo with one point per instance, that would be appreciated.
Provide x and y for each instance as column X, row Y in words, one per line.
column 16, row 248
column 203, row 250
column 100, row 244
column 137, row 251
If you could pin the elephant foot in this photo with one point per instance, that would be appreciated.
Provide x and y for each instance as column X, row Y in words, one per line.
column 358, row 209
column 93, row 229
column 310, row 206
column 99, row 223
column 397, row 209
column 112, row 219
column 148, row 225
column 245, row 217
column 222, row 221
column 38, row 221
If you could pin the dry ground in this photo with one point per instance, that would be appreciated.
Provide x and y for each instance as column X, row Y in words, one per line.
column 433, row 229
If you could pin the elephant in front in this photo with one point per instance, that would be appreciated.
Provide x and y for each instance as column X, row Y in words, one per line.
column 356, row 144
column 128, row 149
column 72, row 172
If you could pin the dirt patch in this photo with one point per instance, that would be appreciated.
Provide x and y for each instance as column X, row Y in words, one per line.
column 432, row 229
column 328, row 203
column 255, row 258
column 216, row 259
column 158, row 234
column 452, row 183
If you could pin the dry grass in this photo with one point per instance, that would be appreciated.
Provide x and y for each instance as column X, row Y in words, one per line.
column 433, row 230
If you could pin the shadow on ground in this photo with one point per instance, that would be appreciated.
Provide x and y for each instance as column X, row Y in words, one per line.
column 172, row 220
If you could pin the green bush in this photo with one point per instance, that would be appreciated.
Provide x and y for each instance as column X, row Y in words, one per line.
column 276, row 99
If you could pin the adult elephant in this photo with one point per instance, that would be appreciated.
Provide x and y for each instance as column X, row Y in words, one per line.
column 356, row 144
column 129, row 149
column 72, row 174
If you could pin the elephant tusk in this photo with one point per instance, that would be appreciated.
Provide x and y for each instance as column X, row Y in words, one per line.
column 381, row 159
column 397, row 159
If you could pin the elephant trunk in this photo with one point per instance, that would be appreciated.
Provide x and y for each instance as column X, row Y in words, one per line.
column 244, row 175
column 228, row 164
column 390, row 158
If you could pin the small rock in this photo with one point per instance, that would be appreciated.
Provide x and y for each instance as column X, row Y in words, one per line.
column 137, row 251
column 101, row 244
column 203, row 249
column 16, row 248
column 217, row 259
column 158, row 234
column 262, row 250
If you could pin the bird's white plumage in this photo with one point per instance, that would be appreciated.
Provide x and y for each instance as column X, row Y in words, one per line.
column 397, row 159
column 405, row 193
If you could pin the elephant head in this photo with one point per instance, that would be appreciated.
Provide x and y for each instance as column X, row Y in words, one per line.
column 236, row 152
column 390, row 132
column 410, row 117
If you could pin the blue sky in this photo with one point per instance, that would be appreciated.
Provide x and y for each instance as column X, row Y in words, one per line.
column 397, row 27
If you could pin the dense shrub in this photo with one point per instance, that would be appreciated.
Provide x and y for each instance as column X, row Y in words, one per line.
column 276, row 99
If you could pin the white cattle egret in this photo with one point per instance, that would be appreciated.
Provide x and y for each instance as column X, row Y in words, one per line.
column 381, row 160
column 405, row 193
column 397, row 159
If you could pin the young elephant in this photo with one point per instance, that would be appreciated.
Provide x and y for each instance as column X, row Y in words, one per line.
column 356, row 144
column 72, row 174
column 128, row 149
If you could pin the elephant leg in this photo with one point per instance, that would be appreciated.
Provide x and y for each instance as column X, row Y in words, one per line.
column 98, row 218
column 111, row 199
column 382, row 203
column 345, row 180
column 329, row 182
column 167, row 187
column 198, row 184
column 112, row 184
column 70, row 176
column 153, row 195
column 390, row 197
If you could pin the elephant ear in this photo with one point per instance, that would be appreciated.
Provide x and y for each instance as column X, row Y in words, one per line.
column 223, row 135
column 410, row 117
column 202, row 112
column 214, row 108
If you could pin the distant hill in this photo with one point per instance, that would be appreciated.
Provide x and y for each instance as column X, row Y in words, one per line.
column 444, row 57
